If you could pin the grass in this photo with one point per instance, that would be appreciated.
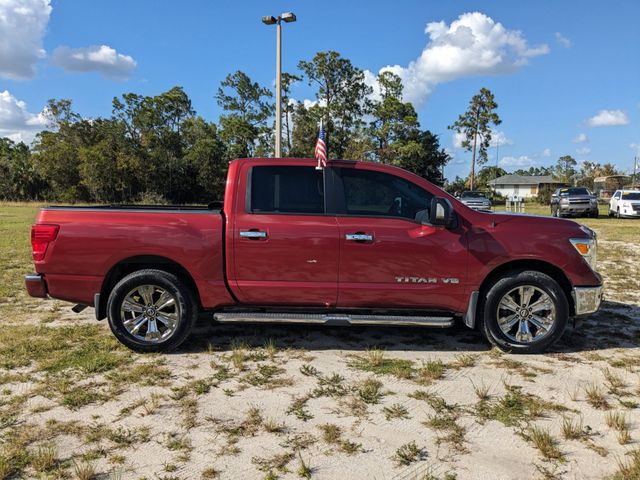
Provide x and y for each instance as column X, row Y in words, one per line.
column 544, row 442
column 629, row 468
column 369, row 391
column 85, row 348
column 573, row 429
column 376, row 361
column 395, row 411
column 15, row 254
column 332, row 435
column 618, row 421
column 516, row 407
column 595, row 397
column 408, row 454
column 44, row 458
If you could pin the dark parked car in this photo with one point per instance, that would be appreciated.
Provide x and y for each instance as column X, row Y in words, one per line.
column 574, row 202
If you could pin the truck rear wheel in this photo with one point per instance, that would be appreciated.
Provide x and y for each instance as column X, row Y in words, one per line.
column 524, row 312
column 151, row 311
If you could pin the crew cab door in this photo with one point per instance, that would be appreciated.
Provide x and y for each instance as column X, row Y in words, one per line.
column 388, row 259
column 283, row 247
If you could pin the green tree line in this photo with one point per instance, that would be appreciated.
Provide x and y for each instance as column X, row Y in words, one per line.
column 158, row 149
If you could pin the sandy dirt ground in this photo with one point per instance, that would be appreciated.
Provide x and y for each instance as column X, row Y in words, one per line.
column 245, row 402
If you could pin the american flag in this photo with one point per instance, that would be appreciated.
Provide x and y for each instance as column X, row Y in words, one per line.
column 321, row 149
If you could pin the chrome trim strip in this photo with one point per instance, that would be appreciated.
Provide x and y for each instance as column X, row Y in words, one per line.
column 33, row 277
column 425, row 321
column 587, row 299
column 470, row 316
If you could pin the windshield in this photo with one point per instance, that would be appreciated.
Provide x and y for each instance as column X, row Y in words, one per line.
column 631, row 196
column 574, row 191
column 473, row 195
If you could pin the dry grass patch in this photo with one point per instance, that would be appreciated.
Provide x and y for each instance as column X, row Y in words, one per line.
column 544, row 442
column 595, row 397
column 628, row 469
column 516, row 407
column 408, row 454
column 395, row 411
column 332, row 435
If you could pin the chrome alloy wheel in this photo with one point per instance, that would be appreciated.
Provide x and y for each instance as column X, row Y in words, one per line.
column 526, row 314
column 150, row 313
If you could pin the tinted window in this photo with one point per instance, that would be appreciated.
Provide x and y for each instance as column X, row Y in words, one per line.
column 573, row 191
column 473, row 195
column 631, row 196
column 287, row 190
column 376, row 193
column 616, row 195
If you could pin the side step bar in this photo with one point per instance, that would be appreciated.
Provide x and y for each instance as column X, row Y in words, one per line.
column 334, row 319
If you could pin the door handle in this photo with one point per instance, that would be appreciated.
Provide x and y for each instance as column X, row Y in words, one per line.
column 358, row 237
column 253, row 234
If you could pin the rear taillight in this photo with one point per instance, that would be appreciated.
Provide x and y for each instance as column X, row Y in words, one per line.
column 41, row 237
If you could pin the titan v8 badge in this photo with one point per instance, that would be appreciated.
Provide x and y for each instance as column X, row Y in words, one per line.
column 449, row 280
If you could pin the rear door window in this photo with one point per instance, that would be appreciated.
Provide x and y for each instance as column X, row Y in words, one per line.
column 287, row 189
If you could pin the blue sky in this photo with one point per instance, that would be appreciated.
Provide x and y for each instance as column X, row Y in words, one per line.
column 566, row 74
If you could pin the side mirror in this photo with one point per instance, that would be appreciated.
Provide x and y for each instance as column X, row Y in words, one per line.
column 441, row 212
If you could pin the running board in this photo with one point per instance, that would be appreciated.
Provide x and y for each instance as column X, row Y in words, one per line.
column 334, row 319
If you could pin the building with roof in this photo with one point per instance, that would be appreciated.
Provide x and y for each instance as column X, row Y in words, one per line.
column 522, row 186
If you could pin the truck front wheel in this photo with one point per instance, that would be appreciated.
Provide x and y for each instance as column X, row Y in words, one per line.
column 524, row 312
column 151, row 311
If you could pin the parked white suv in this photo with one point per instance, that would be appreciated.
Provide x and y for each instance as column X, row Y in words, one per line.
column 625, row 203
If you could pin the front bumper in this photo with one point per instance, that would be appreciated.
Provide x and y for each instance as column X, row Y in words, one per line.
column 36, row 286
column 577, row 209
column 587, row 299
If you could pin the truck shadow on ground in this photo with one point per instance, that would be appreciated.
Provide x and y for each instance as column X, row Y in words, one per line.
column 616, row 325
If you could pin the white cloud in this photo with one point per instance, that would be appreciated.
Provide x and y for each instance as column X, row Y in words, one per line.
column 99, row 58
column 497, row 138
column 562, row 40
column 22, row 26
column 521, row 161
column 546, row 152
column 16, row 122
column 581, row 138
column 473, row 44
column 583, row 151
column 606, row 118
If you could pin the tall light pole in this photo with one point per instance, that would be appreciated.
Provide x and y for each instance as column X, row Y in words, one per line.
column 287, row 17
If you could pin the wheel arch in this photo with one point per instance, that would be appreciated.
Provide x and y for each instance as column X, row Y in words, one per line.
column 140, row 262
column 528, row 264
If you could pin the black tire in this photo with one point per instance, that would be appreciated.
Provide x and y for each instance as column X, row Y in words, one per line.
column 489, row 311
column 618, row 213
column 185, row 309
column 610, row 213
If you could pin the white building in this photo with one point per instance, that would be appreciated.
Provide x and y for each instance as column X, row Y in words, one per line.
column 523, row 186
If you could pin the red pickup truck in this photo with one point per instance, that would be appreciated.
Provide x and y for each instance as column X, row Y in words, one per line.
column 353, row 243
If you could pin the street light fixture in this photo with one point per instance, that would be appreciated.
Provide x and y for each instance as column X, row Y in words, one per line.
column 286, row 17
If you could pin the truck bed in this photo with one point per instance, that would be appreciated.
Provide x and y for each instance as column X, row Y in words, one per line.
column 93, row 241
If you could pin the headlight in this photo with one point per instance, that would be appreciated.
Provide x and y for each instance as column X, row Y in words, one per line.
column 564, row 200
column 587, row 247
column 594, row 201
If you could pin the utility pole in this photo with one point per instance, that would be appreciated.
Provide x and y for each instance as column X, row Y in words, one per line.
column 635, row 166
column 287, row 17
